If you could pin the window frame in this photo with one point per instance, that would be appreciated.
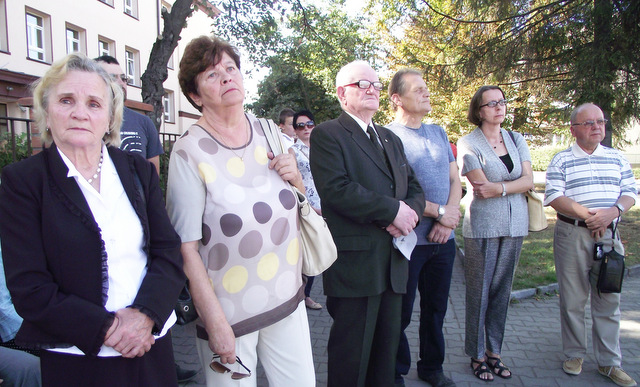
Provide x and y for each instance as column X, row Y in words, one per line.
column 110, row 46
column 81, row 40
column 45, row 36
column 168, row 105
column 4, row 32
column 130, row 9
column 132, row 66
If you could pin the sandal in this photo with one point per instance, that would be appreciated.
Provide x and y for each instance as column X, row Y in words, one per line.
column 498, row 367
column 481, row 369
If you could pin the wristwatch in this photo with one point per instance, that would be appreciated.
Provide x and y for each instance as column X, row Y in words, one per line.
column 620, row 208
column 504, row 190
column 441, row 211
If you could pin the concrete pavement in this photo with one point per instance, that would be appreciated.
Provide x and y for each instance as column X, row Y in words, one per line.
column 532, row 346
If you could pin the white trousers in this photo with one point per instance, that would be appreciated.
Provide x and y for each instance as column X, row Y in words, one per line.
column 284, row 349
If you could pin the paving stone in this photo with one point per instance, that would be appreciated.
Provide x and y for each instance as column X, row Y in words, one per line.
column 532, row 344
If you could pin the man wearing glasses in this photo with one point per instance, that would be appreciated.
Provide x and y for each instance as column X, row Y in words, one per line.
column 137, row 133
column 369, row 195
column 590, row 186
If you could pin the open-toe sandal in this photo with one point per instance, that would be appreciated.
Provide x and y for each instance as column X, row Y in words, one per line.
column 481, row 369
column 498, row 367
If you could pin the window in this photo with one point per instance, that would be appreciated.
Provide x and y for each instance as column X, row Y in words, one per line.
column 38, row 36
column 105, row 46
column 131, row 7
column 75, row 39
column 132, row 58
column 167, row 104
column 108, row 2
column 4, row 43
column 170, row 61
column 35, row 37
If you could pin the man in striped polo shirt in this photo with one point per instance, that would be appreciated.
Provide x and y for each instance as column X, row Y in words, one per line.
column 590, row 186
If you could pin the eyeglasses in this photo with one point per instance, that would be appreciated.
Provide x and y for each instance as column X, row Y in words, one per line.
column 367, row 84
column 308, row 124
column 601, row 122
column 491, row 104
column 122, row 77
column 221, row 369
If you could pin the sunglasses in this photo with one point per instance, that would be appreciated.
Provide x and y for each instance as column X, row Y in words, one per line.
column 221, row 369
column 308, row 124
column 122, row 77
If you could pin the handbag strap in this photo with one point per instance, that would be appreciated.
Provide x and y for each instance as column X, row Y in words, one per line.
column 615, row 227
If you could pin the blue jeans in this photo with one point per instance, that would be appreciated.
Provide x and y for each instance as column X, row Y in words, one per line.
column 430, row 270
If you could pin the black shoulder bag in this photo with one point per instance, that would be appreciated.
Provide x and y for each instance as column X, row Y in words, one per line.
column 611, row 271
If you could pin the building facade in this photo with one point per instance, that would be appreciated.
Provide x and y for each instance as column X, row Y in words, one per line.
column 36, row 33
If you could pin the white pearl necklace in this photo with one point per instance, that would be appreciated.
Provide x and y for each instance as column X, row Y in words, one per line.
column 95, row 175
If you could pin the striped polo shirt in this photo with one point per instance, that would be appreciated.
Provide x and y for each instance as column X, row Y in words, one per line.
column 594, row 180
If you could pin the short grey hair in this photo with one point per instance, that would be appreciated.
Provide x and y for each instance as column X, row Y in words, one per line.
column 580, row 108
column 43, row 87
column 343, row 76
column 398, row 84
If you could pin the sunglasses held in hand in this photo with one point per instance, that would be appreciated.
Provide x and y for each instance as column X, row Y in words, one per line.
column 220, row 368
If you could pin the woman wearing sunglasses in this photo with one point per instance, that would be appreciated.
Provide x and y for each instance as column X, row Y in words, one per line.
column 303, row 123
column 497, row 165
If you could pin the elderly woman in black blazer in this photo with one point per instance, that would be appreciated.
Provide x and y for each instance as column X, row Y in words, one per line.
column 92, row 262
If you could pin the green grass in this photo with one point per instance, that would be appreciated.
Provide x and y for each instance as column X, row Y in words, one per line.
column 536, row 265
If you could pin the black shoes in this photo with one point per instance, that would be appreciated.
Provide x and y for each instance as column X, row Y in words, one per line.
column 438, row 380
column 185, row 375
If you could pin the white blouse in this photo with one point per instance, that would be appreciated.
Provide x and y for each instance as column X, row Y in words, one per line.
column 123, row 237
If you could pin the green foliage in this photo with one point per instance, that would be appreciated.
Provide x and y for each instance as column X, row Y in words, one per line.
column 285, row 87
column 306, row 61
column 541, row 156
column 547, row 55
column 6, row 149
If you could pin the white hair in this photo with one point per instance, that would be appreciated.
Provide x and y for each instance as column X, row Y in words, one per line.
column 343, row 76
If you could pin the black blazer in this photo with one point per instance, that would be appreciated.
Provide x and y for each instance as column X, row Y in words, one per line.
column 52, row 251
column 360, row 197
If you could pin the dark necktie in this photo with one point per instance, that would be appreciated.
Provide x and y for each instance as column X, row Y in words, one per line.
column 374, row 140
column 376, row 144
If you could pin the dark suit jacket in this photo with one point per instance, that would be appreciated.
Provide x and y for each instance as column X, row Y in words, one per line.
column 52, row 251
column 360, row 197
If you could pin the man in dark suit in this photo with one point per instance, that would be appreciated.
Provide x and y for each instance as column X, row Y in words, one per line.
column 371, row 196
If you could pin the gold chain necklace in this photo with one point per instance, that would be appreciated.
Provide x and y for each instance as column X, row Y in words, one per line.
column 224, row 141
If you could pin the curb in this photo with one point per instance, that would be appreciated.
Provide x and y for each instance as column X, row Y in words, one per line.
column 522, row 294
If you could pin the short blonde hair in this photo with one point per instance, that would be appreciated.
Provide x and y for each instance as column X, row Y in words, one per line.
column 43, row 87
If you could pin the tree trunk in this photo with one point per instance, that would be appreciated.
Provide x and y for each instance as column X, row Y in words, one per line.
column 604, row 70
column 156, row 73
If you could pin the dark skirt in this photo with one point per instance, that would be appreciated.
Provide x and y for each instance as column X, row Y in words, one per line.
column 155, row 369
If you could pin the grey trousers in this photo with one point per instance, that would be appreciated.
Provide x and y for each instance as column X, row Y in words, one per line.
column 489, row 266
column 573, row 254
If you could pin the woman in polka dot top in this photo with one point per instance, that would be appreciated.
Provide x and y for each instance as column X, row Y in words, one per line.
column 231, row 203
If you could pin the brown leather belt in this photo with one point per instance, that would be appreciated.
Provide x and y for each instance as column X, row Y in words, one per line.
column 576, row 222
